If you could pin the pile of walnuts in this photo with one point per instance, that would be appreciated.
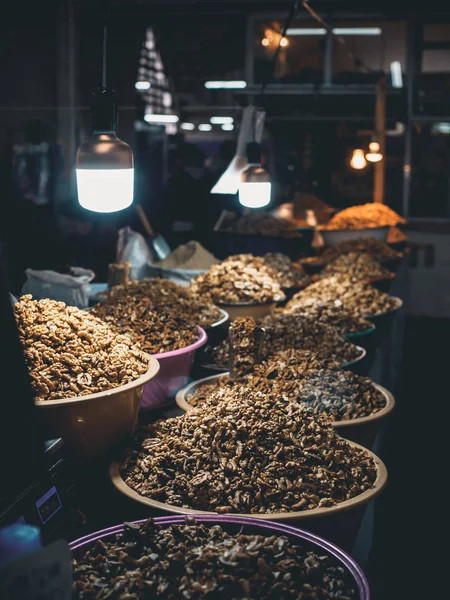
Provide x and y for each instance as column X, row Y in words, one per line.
column 71, row 353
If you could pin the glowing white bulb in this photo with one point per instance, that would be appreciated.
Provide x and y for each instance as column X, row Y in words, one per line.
column 105, row 190
column 187, row 126
column 254, row 194
column 204, row 127
column 358, row 161
column 228, row 126
column 284, row 42
column 265, row 42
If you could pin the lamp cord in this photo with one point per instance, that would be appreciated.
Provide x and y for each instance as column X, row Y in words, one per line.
column 276, row 55
column 353, row 57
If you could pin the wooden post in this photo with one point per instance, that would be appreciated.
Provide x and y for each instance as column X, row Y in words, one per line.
column 380, row 129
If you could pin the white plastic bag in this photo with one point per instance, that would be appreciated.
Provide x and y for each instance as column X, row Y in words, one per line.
column 132, row 248
column 73, row 289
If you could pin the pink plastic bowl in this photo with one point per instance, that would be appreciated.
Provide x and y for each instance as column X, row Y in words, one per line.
column 250, row 526
column 174, row 369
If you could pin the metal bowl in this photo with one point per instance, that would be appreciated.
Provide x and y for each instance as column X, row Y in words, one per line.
column 91, row 425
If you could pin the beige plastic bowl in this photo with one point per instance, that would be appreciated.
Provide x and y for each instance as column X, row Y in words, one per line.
column 248, row 309
column 361, row 499
column 91, row 425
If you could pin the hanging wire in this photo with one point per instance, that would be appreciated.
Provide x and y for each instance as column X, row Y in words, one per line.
column 358, row 62
column 278, row 50
column 105, row 48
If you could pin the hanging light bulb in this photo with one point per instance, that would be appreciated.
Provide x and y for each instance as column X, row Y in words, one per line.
column 358, row 160
column 255, row 186
column 374, row 155
column 104, row 166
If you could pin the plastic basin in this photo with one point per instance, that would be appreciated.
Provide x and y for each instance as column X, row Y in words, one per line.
column 92, row 425
column 174, row 369
column 234, row 524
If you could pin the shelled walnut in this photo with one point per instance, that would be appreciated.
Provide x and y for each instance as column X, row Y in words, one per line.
column 247, row 455
column 155, row 330
column 172, row 298
column 70, row 352
column 234, row 282
column 199, row 561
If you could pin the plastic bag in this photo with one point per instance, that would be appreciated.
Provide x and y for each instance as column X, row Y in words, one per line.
column 73, row 289
column 132, row 248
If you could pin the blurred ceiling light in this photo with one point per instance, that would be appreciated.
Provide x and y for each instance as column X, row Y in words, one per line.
column 228, row 126
column 357, row 30
column 225, row 85
column 221, row 120
column 153, row 118
column 358, row 160
column 284, row 42
column 142, row 85
column 374, row 155
column 336, row 31
column 441, row 128
column 265, row 42
column 204, row 127
column 306, row 31
column 396, row 74
column 187, row 126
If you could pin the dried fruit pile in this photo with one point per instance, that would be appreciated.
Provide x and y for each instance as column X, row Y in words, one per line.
column 357, row 266
column 192, row 560
column 247, row 456
column 170, row 297
column 327, row 391
column 69, row 352
column 330, row 314
column 359, row 299
column 365, row 216
column 233, row 281
column 156, row 331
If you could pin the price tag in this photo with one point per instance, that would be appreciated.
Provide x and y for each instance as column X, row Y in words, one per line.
column 42, row 575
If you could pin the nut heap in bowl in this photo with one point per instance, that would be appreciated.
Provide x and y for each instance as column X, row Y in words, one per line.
column 330, row 314
column 156, row 331
column 235, row 282
column 260, row 223
column 378, row 250
column 357, row 266
column 247, row 456
column 359, row 299
column 201, row 559
column 71, row 353
column 172, row 298
column 327, row 391
column 365, row 216
column 288, row 274
column 292, row 331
